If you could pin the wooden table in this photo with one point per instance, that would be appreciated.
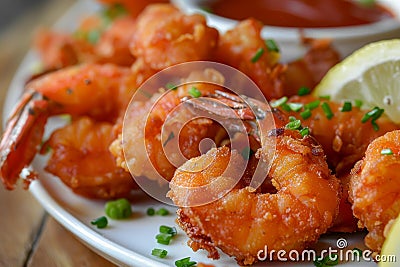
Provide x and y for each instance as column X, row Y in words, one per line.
column 28, row 235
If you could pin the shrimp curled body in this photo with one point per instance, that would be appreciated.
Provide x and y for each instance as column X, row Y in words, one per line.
column 244, row 221
column 99, row 92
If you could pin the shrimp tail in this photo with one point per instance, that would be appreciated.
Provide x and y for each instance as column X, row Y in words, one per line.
column 22, row 136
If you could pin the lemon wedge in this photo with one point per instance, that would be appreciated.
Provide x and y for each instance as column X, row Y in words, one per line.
column 371, row 75
column 391, row 248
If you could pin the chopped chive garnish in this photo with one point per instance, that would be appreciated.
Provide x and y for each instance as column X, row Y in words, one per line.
column 367, row 3
column 168, row 230
column 366, row 117
column 295, row 106
column 100, row 222
column 185, row 262
column 285, row 107
column 346, row 107
column 150, row 211
column 327, row 261
column 279, row 102
column 326, row 97
column 305, row 131
column 375, row 126
column 373, row 114
column 378, row 114
column 306, row 114
column 327, row 110
column 164, row 239
column 207, row 9
column 93, row 36
column 158, row 252
column 292, row 118
column 358, row 251
column 303, row 91
column 257, row 55
column 194, row 92
column 312, row 105
column 118, row 209
column 358, row 103
column 114, row 11
column 171, row 86
column 246, row 153
column 293, row 125
column 271, row 45
column 162, row 212
column 386, row 151
column 66, row 117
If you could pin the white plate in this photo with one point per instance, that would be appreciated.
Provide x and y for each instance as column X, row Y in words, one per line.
column 127, row 242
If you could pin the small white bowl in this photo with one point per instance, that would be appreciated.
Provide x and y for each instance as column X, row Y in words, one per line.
column 345, row 39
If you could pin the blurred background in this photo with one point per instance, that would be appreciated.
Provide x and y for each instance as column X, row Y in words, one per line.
column 18, row 21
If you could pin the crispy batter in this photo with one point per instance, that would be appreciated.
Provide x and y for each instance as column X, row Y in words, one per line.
column 243, row 221
column 375, row 189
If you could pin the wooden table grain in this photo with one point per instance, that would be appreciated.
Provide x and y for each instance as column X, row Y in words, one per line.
column 28, row 235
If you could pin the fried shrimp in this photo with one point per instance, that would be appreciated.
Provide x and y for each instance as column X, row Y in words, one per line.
column 375, row 188
column 309, row 70
column 101, row 92
column 81, row 159
column 164, row 36
column 243, row 48
column 148, row 128
column 244, row 221
column 344, row 137
column 98, row 39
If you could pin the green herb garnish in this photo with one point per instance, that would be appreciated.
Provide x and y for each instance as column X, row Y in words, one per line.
column 293, row 125
column 150, row 211
column 168, row 230
column 303, row 91
column 164, row 239
column 185, row 262
column 194, row 92
column 325, row 97
column 346, row 107
column 257, row 55
column 118, row 209
column 162, row 212
column 305, row 131
column 161, row 253
column 306, row 114
column 295, row 106
column 271, row 45
column 358, row 103
column 246, row 153
column 312, row 105
column 327, row 261
column 327, row 110
column 279, row 102
column 386, row 151
column 100, row 222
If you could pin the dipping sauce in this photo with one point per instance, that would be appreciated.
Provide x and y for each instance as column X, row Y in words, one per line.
column 302, row 13
column 135, row 7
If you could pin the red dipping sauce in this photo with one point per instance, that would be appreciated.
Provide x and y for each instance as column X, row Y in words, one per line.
column 302, row 13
